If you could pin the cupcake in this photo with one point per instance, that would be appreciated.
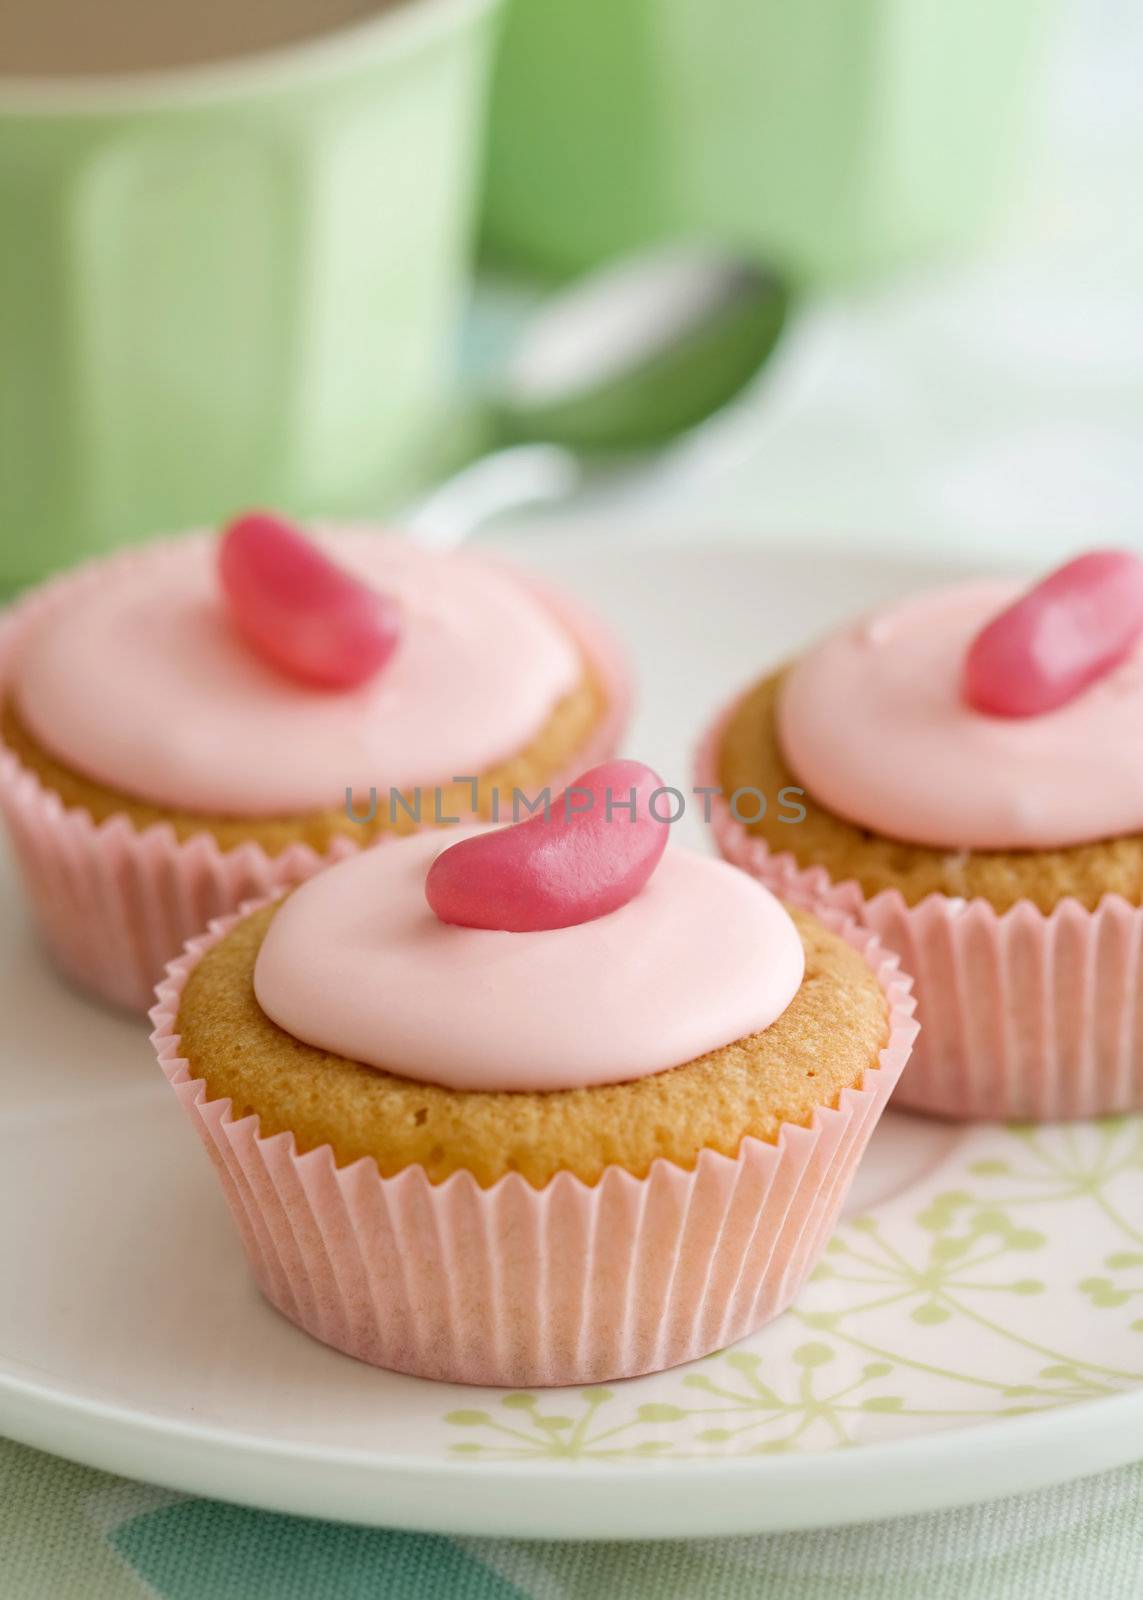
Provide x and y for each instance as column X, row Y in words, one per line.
column 961, row 772
column 199, row 722
column 546, row 1105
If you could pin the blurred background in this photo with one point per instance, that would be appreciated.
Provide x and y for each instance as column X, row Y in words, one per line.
column 986, row 400
column 292, row 254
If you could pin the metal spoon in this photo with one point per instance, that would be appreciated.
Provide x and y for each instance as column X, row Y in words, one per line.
column 626, row 359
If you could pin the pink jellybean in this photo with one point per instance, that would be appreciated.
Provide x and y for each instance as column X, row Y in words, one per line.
column 305, row 615
column 1071, row 629
column 589, row 855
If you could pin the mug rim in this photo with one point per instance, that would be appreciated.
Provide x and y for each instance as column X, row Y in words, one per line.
column 399, row 31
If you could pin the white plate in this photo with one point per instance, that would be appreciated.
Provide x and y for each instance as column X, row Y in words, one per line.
column 975, row 1329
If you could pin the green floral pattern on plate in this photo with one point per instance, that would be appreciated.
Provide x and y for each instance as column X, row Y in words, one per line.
column 1009, row 1280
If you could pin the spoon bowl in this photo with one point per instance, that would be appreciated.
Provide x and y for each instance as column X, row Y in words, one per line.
column 637, row 353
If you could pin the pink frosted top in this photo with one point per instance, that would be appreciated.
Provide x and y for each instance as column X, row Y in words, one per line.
column 144, row 684
column 875, row 724
column 356, row 962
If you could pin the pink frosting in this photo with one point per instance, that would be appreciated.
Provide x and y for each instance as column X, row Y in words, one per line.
column 356, row 963
column 873, row 723
column 144, row 685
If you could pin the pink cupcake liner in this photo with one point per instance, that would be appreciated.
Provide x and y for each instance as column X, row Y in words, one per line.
column 114, row 904
column 514, row 1285
column 1024, row 1015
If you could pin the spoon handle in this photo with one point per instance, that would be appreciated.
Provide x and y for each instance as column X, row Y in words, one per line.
column 504, row 480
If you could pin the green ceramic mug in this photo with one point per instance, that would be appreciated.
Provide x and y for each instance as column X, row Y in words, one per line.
column 834, row 137
column 232, row 283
